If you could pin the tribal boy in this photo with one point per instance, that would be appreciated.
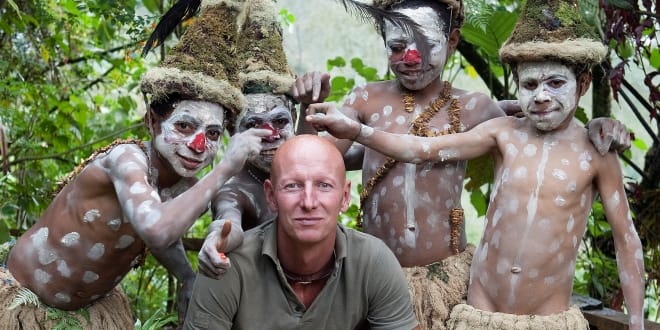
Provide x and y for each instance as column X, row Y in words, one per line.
column 547, row 173
column 416, row 209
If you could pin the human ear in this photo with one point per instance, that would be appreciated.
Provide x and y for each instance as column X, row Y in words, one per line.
column 270, row 195
column 346, row 196
column 584, row 81
column 453, row 40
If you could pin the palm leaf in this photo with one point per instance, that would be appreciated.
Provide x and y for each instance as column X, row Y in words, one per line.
column 24, row 297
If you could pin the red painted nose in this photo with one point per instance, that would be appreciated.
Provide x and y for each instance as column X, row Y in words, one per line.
column 274, row 135
column 199, row 143
column 412, row 57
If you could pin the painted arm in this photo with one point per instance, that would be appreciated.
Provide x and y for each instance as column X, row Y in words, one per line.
column 629, row 253
column 226, row 208
column 174, row 259
column 404, row 147
column 161, row 223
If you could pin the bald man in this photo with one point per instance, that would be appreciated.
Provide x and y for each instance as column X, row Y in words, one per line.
column 303, row 269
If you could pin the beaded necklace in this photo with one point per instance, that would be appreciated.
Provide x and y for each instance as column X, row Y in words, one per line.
column 420, row 127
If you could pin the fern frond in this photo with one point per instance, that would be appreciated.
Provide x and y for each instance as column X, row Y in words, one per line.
column 479, row 13
column 24, row 297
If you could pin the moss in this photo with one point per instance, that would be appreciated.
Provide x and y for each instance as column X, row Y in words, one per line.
column 438, row 271
column 551, row 21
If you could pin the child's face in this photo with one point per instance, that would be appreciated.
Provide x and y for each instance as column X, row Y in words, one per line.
column 548, row 93
column 188, row 138
column 268, row 111
column 404, row 57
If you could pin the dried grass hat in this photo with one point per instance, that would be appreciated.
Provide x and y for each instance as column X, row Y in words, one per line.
column 232, row 47
column 553, row 30
column 199, row 66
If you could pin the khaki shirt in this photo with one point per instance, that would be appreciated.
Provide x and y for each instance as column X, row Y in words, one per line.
column 366, row 288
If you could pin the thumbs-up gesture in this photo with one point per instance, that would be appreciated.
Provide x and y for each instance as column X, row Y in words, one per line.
column 212, row 259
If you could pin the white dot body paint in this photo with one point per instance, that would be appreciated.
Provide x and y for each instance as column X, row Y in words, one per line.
column 46, row 256
column 70, row 239
column 572, row 186
column 387, row 110
column 63, row 268
column 39, row 238
column 375, row 117
column 570, row 223
column 616, row 198
column 484, row 253
column 585, row 160
column 397, row 181
column 511, row 150
column 138, row 188
column 96, row 251
column 471, row 104
column 559, row 174
column 446, row 154
column 521, row 136
column 41, row 276
column 496, row 217
column 351, row 98
column 365, row 95
column 530, row 150
column 114, row 224
column 152, row 218
column 91, row 215
column 560, row 201
column 366, row 131
column 400, row 120
column 565, row 162
column 62, row 297
column 124, row 241
column 89, row 277
column 520, row 173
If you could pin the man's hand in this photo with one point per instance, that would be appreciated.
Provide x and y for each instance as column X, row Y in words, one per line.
column 312, row 87
column 212, row 259
column 608, row 134
column 325, row 117
column 242, row 146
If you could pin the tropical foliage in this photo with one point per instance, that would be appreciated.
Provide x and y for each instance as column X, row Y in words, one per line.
column 70, row 69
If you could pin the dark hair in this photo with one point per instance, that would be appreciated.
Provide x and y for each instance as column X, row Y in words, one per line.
column 444, row 14
column 163, row 107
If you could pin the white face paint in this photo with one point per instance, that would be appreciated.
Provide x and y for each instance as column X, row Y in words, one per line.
column 189, row 137
column 547, row 93
column 405, row 60
column 271, row 112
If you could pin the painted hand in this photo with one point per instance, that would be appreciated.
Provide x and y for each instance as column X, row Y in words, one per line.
column 212, row 259
column 608, row 134
column 325, row 117
column 242, row 146
column 312, row 87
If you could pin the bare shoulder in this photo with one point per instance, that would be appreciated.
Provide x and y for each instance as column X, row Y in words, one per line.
column 476, row 107
column 124, row 153
column 362, row 98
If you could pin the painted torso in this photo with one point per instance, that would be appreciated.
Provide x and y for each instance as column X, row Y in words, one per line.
column 536, row 219
column 244, row 195
column 419, row 196
column 83, row 244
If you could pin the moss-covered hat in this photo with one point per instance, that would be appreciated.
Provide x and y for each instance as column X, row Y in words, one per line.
column 200, row 66
column 455, row 6
column 553, row 30
column 262, row 64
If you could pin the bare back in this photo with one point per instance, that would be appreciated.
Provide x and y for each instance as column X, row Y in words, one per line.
column 409, row 209
column 83, row 244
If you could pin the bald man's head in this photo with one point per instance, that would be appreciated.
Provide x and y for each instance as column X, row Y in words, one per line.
column 302, row 149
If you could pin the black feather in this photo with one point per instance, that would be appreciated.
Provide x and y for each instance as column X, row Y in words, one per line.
column 378, row 17
column 181, row 11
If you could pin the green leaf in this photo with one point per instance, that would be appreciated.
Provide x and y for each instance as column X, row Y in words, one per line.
column 640, row 144
column 623, row 4
column 654, row 59
column 478, row 200
column 581, row 115
column 337, row 62
column 498, row 29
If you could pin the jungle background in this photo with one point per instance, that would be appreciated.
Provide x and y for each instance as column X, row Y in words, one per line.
column 70, row 69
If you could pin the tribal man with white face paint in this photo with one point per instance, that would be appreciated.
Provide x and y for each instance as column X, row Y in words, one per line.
column 547, row 173
column 416, row 208
column 242, row 201
column 128, row 197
